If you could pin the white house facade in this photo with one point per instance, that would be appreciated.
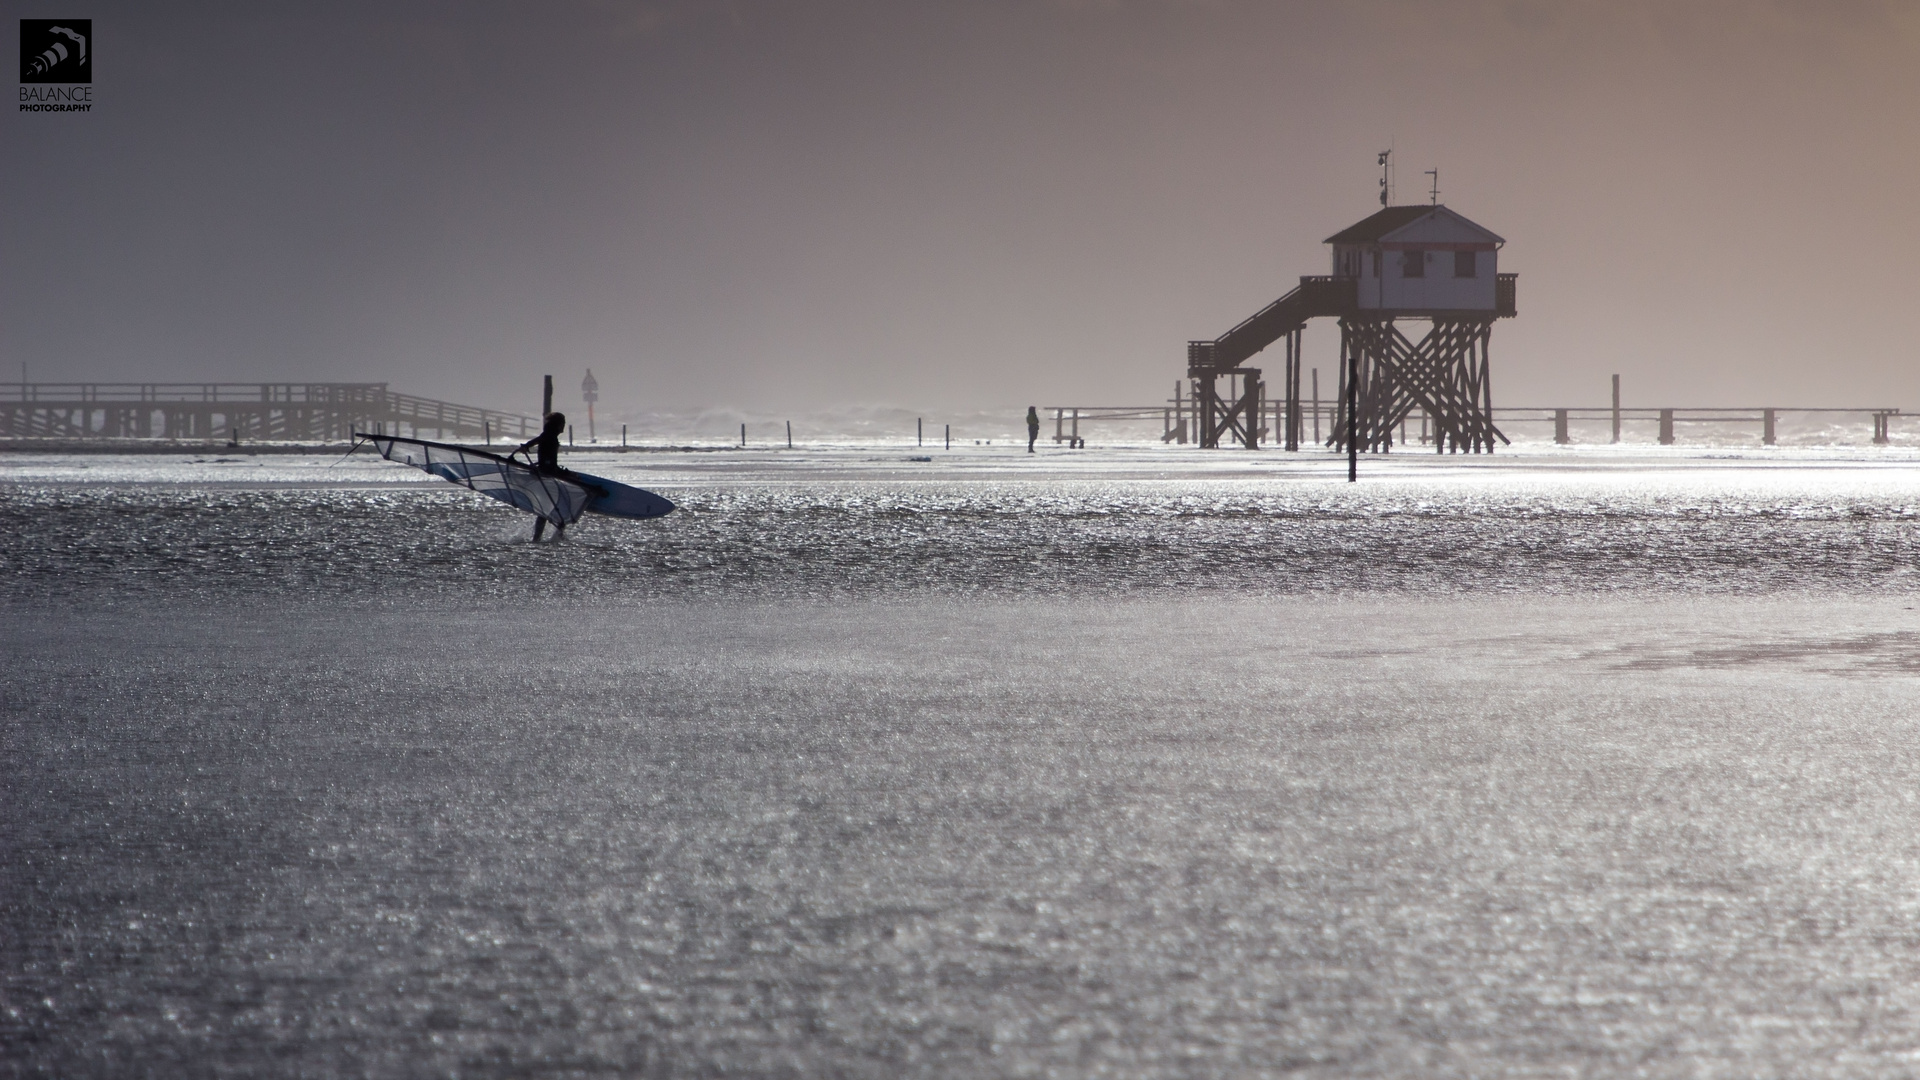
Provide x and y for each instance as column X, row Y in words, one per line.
column 1419, row 259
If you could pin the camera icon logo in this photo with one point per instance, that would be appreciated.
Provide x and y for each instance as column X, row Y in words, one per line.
column 56, row 50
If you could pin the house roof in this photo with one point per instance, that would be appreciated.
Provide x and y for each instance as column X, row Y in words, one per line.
column 1392, row 219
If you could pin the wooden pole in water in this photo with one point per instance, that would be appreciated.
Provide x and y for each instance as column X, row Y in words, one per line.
column 743, row 434
column 1353, row 415
column 949, row 436
column 546, row 398
column 919, row 431
column 1616, row 408
column 623, row 436
column 789, row 434
column 1316, row 406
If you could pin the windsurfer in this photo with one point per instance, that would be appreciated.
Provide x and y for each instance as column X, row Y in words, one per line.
column 546, row 445
column 546, row 460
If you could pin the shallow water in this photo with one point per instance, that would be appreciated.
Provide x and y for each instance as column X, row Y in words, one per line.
column 1464, row 773
column 851, row 525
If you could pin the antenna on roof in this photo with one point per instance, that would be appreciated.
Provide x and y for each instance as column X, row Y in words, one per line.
column 1435, row 173
column 1386, row 174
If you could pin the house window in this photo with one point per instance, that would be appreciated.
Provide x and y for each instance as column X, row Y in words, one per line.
column 1413, row 264
column 1463, row 264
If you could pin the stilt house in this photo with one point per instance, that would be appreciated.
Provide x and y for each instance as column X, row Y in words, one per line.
column 1417, row 260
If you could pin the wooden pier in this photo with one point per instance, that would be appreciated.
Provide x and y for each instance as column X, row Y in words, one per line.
column 288, row 412
column 1766, row 419
column 1181, row 415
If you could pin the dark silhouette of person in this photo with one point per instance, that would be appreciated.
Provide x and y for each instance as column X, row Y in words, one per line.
column 1033, row 427
column 546, row 445
column 546, row 460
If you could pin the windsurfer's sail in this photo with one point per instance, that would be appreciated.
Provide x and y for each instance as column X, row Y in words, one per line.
column 554, row 498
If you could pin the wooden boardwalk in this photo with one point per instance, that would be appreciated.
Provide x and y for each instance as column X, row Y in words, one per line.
column 289, row 412
column 1178, row 418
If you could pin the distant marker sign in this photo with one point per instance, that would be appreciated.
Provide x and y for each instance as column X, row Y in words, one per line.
column 56, row 65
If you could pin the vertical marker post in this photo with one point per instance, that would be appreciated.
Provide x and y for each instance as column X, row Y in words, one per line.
column 1353, row 416
column 1616, row 408
column 789, row 434
column 1316, row 406
column 590, row 393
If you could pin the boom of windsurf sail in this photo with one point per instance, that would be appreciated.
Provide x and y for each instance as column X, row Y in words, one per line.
column 555, row 498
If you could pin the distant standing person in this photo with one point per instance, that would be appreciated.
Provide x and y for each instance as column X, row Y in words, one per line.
column 1033, row 427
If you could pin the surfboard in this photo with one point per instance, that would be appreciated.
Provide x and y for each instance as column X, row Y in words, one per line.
column 558, row 497
column 622, row 500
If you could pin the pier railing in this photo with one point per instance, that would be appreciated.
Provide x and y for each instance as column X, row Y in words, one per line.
column 1176, row 415
column 273, row 411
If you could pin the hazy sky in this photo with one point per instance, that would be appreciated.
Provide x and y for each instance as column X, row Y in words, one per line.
column 955, row 205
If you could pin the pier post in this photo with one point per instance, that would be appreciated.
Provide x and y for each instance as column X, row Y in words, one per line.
column 789, row 434
column 1293, row 392
column 1251, row 391
column 1616, row 408
column 1766, row 427
column 1206, row 409
column 623, row 436
column 1560, row 435
column 919, row 431
column 1666, row 427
